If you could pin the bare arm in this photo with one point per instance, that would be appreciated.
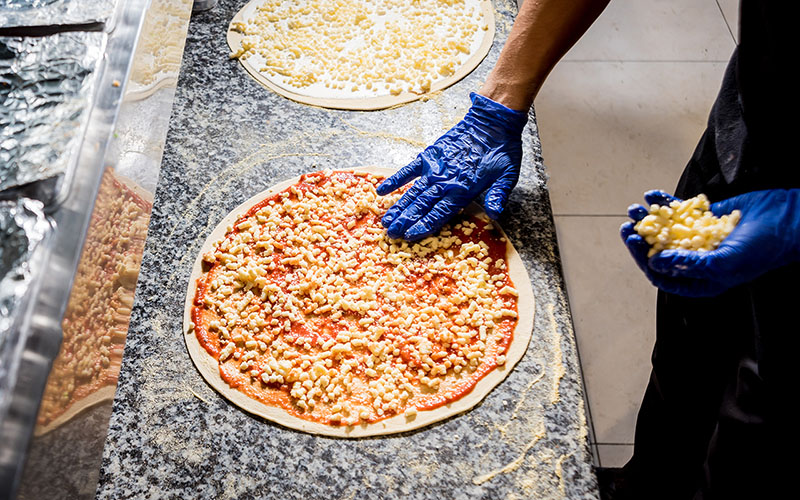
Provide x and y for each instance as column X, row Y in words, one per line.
column 543, row 32
column 484, row 151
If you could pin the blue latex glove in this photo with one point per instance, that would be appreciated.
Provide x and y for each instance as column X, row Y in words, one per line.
column 483, row 151
column 767, row 237
column 636, row 244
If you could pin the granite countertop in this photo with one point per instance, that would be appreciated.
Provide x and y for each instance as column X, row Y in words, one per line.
column 172, row 436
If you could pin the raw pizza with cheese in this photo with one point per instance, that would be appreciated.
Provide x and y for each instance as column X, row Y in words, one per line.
column 302, row 310
column 95, row 323
column 360, row 54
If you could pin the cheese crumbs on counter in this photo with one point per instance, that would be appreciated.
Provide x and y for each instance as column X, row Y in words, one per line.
column 307, row 296
column 687, row 224
column 373, row 47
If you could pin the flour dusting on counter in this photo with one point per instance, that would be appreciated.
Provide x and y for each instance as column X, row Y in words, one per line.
column 219, row 153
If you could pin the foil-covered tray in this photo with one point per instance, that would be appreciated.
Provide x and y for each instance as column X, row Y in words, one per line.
column 18, row 13
column 23, row 229
column 46, row 89
column 59, row 99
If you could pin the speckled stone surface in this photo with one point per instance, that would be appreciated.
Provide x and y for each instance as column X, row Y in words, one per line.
column 172, row 436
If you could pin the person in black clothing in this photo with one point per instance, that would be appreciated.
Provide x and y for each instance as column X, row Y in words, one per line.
column 716, row 418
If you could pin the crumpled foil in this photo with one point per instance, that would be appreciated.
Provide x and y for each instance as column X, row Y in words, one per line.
column 46, row 85
column 17, row 13
column 23, row 226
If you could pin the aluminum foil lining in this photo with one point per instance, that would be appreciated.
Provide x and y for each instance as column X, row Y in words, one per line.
column 17, row 13
column 46, row 86
column 23, row 226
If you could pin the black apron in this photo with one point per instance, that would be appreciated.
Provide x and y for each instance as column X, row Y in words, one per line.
column 715, row 421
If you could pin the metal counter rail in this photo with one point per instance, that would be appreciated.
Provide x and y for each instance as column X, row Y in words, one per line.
column 72, row 219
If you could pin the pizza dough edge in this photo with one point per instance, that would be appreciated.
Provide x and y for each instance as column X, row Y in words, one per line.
column 209, row 368
column 234, row 39
column 136, row 91
column 105, row 392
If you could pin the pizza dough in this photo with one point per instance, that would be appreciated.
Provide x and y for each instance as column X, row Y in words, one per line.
column 157, row 59
column 361, row 55
column 209, row 366
column 95, row 323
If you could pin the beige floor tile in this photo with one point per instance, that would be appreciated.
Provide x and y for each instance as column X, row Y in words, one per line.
column 611, row 130
column 656, row 30
column 730, row 10
column 613, row 308
column 614, row 455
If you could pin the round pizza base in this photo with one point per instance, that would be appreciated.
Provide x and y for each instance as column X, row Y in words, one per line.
column 365, row 103
column 105, row 393
column 136, row 91
column 209, row 367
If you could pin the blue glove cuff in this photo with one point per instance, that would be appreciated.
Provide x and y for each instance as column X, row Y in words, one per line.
column 780, row 208
column 792, row 223
column 496, row 115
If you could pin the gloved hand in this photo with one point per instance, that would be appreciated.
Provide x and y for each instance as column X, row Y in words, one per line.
column 483, row 151
column 766, row 237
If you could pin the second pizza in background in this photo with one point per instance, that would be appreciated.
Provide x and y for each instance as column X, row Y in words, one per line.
column 360, row 54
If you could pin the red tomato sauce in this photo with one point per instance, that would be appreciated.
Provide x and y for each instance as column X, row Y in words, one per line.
column 277, row 395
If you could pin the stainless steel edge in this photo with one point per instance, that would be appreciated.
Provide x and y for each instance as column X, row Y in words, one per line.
column 11, row 346
column 72, row 215
column 65, row 181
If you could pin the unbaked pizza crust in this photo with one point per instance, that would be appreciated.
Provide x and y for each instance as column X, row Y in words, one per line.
column 208, row 366
column 157, row 59
column 234, row 39
column 105, row 393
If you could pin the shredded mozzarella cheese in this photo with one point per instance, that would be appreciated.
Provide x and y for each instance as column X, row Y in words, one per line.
column 369, row 47
column 688, row 225
column 316, row 298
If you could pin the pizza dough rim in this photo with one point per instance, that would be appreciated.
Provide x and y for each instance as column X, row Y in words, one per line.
column 234, row 39
column 106, row 392
column 136, row 91
column 209, row 367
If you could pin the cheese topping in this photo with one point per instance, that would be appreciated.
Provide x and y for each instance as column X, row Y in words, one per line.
column 95, row 323
column 687, row 224
column 363, row 48
column 310, row 306
column 160, row 46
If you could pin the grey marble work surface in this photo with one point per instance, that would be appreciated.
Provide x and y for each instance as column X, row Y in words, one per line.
column 172, row 436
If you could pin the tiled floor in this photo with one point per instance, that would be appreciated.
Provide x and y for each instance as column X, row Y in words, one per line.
column 619, row 115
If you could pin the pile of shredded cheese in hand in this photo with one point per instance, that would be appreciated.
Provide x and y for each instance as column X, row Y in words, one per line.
column 687, row 224
column 377, row 47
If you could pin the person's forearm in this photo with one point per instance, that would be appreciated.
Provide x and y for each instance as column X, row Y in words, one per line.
column 543, row 32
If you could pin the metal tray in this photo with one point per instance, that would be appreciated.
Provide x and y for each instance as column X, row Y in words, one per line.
column 19, row 13
column 47, row 88
column 70, row 205
column 24, row 232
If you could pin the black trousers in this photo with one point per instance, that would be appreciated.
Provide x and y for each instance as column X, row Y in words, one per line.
column 716, row 421
column 717, row 418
